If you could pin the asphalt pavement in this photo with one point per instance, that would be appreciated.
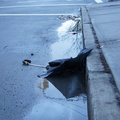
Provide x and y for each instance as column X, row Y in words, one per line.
column 38, row 30
column 101, row 31
column 28, row 30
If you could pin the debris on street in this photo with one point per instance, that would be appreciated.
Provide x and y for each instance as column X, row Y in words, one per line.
column 62, row 66
column 68, row 17
column 28, row 62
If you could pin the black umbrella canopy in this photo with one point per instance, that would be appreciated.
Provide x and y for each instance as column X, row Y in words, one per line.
column 66, row 74
column 69, row 85
column 60, row 66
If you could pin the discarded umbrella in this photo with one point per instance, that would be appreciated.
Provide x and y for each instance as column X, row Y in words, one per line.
column 61, row 66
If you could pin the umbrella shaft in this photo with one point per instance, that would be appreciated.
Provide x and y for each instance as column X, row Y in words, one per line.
column 37, row 65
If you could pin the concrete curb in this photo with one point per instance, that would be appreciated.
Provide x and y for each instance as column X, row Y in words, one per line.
column 102, row 103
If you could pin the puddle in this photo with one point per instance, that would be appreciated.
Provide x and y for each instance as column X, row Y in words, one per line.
column 62, row 97
column 69, row 44
column 69, row 85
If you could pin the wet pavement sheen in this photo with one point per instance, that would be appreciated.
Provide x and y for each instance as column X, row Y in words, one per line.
column 63, row 97
column 37, row 33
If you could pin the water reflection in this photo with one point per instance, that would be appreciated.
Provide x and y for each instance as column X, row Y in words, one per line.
column 53, row 103
column 69, row 44
column 69, row 85
column 62, row 97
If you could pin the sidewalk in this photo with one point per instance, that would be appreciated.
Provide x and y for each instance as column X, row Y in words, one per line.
column 101, row 31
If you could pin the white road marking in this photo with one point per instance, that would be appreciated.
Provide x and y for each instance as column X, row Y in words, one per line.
column 33, row 14
column 99, row 1
column 27, row 2
column 51, row 5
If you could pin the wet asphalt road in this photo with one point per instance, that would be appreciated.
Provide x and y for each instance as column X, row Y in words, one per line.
column 27, row 31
